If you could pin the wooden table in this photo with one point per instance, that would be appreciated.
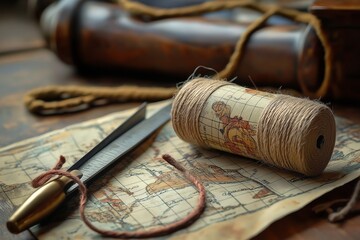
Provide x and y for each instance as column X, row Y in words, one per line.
column 25, row 63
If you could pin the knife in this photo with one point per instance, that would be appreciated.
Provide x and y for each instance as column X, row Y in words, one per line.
column 120, row 142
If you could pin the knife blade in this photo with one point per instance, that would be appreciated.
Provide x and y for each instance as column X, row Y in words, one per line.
column 121, row 145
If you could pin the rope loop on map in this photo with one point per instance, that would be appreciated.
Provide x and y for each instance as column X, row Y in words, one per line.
column 153, row 232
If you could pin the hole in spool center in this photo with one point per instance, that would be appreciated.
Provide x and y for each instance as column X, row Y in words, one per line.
column 320, row 141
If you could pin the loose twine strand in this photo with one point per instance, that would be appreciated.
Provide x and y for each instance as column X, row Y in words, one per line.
column 153, row 232
column 70, row 98
column 340, row 214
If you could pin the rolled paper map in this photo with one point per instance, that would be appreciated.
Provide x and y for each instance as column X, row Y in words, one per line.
column 288, row 132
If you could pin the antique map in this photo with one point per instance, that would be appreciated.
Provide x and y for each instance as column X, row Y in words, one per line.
column 143, row 191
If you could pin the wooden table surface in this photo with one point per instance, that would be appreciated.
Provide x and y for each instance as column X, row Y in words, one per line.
column 25, row 63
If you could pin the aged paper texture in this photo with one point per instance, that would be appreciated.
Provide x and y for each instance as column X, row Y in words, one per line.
column 244, row 196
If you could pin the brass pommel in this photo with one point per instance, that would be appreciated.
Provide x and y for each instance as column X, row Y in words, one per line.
column 40, row 204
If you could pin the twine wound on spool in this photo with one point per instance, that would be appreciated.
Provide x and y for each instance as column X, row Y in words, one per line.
column 284, row 131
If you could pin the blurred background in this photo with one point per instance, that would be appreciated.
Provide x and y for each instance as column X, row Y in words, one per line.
column 19, row 30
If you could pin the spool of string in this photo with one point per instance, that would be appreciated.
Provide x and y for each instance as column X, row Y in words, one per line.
column 287, row 132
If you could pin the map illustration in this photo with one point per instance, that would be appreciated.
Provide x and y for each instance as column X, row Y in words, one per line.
column 229, row 119
column 238, row 133
column 142, row 191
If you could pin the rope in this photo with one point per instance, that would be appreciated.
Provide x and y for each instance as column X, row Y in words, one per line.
column 73, row 98
column 78, row 98
column 147, row 233
column 137, row 8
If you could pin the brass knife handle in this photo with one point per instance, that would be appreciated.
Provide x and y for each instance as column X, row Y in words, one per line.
column 40, row 204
